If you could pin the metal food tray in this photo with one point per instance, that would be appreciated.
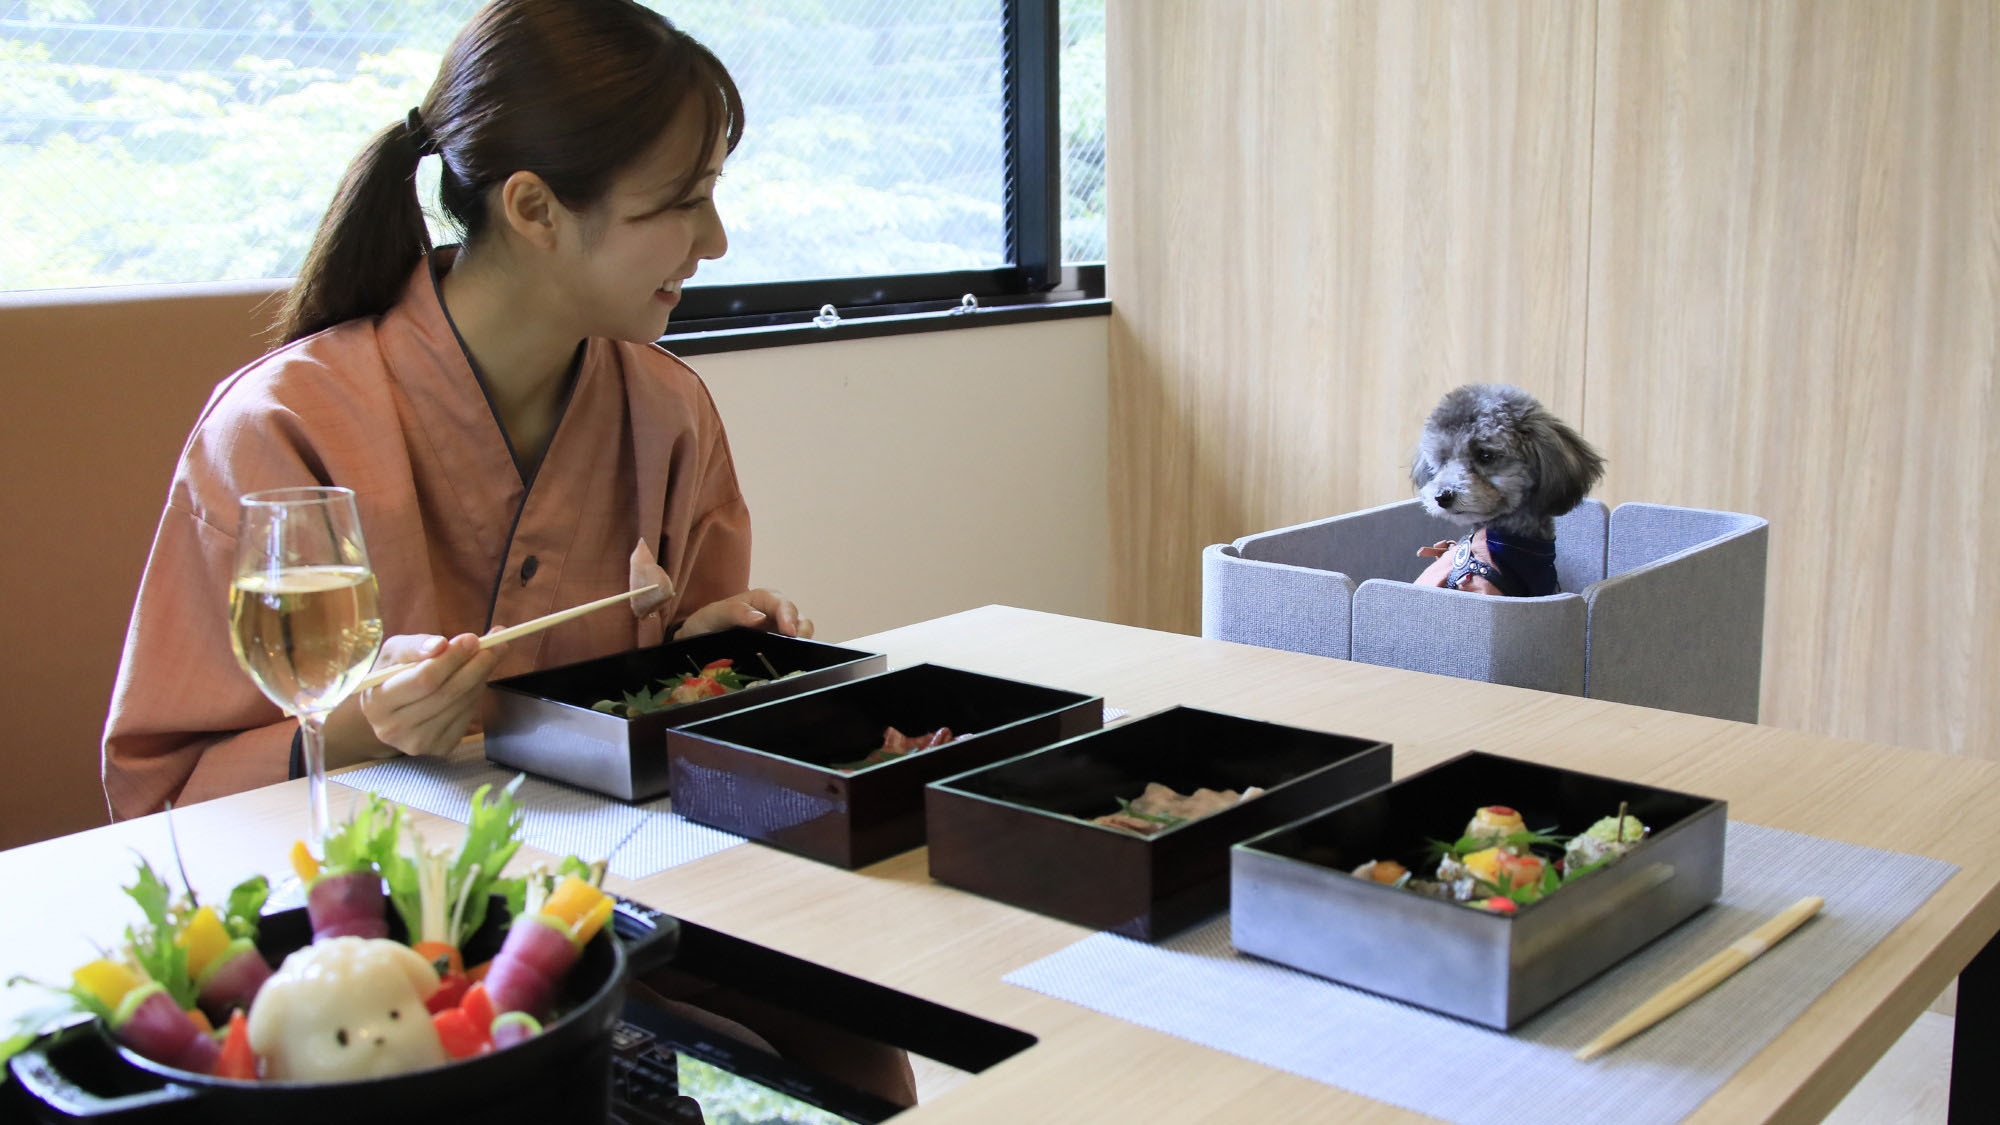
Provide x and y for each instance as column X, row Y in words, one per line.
column 1294, row 901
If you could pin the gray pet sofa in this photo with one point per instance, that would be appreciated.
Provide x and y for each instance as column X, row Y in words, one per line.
column 1660, row 606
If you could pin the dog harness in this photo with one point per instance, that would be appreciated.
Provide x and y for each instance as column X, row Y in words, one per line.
column 1465, row 564
column 1515, row 568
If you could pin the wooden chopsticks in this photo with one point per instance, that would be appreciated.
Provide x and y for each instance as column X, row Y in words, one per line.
column 512, row 632
column 1703, row 977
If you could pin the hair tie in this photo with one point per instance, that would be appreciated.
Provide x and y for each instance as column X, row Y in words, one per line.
column 420, row 135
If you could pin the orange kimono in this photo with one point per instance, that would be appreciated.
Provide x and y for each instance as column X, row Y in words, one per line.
column 460, row 542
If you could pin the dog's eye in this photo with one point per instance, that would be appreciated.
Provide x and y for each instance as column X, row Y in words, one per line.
column 1483, row 456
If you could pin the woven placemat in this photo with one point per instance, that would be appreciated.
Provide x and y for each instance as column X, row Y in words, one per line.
column 1197, row 987
column 560, row 818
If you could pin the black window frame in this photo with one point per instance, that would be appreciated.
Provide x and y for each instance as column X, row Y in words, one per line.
column 1037, row 285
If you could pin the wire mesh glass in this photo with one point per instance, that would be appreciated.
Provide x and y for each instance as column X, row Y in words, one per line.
column 1082, row 121
column 197, row 140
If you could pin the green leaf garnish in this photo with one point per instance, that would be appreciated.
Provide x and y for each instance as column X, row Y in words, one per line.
column 152, row 945
column 245, row 907
column 368, row 839
column 492, row 836
column 1164, row 821
column 36, row 1022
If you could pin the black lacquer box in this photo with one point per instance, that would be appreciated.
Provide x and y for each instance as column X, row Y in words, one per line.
column 542, row 722
column 1294, row 900
column 1021, row 831
column 772, row 772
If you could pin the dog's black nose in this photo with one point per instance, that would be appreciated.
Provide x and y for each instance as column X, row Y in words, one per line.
column 1444, row 498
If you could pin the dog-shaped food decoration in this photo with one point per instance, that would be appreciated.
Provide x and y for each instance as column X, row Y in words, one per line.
column 1495, row 462
column 346, row 1008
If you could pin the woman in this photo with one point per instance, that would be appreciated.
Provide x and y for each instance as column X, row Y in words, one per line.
column 499, row 408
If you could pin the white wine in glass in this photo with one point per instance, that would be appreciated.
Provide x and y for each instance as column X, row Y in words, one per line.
column 303, row 615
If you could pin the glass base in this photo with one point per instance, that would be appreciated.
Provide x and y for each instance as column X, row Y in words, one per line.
column 288, row 893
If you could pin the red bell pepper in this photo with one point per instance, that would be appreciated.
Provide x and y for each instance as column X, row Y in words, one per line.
column 237, row 1060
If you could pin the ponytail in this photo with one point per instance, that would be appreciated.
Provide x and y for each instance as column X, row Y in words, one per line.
column 372, row 235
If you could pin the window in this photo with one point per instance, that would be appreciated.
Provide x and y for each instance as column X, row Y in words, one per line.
column 195, row 140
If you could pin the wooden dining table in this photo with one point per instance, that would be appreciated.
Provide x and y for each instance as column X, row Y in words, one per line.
column 891, row 924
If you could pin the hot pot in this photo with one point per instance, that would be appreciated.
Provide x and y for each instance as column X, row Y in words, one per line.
column 561, row 1075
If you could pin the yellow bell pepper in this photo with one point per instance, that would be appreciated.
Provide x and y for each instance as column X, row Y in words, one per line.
column 303, row 862
column 587, row 927
column 204, row 938
column 107, row 980
column 572, row 900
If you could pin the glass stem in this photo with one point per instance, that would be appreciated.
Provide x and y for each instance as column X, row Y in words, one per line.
column 313, row 741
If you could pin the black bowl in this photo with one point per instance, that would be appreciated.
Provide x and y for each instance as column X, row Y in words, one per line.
column 563, row 1074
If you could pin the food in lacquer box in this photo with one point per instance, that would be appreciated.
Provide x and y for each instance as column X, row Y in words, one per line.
column 896, row 744
column 190, row 990
column 717, row 677
column 1161, row 807
column 1494, row 864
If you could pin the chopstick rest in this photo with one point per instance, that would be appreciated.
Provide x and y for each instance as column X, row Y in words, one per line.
column 513, row 632
column 1703, row 977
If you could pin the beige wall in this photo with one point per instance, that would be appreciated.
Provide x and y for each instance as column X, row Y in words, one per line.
column 890, row 480
column 893, row 480
column 1751, row 248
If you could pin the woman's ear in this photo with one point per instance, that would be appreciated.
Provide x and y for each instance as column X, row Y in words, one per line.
column 529, row 208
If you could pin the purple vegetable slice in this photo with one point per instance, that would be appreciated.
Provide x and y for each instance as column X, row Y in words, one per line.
column 349, row 904
column 232, row 980
column 149, row 1022
column 537, row 954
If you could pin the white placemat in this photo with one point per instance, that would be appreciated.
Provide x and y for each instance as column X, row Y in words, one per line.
column 1197, row 987
column 560, row 818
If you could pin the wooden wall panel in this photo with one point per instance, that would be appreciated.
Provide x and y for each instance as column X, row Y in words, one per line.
column 1794, row 252
column 1323, row 215
column 1751, row 246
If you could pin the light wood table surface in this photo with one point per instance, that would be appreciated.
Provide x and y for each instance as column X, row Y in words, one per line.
column 889, row 923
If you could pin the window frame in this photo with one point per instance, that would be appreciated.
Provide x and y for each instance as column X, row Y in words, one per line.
column 1036, row 285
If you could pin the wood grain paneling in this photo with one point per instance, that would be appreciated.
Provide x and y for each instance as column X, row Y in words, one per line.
column 1323, row 215
column 1794, row 249
column 1753, row 249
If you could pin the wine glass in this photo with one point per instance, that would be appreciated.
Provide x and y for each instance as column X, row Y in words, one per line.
column 303, row 615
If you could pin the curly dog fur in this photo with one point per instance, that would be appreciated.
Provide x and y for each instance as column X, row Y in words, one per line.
column 1492, row 456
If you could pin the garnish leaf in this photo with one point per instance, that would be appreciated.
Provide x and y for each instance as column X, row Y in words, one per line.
column 245, row 907
column 36, row 1022
column 1165, row 821
column 366, row 840
column 153, row 946
column 492, row 836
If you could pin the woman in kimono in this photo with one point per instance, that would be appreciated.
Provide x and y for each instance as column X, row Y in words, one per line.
column 515, row 440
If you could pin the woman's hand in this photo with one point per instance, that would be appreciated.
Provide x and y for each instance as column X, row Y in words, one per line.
column 422, row 710
column 759, row 609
